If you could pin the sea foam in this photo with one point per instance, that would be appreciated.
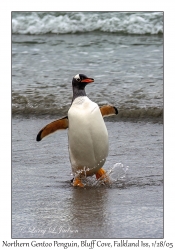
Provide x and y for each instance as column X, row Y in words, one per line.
column 82, row 22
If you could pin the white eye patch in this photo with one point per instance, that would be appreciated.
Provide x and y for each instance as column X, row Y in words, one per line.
column 77, row 76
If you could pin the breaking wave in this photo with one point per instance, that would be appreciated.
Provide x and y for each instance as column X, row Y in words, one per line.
column 25, row 106
column 142, row 23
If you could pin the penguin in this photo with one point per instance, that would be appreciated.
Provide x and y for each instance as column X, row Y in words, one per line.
column 87, row 132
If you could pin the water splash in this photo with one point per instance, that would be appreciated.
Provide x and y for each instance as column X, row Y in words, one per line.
column 116, row 173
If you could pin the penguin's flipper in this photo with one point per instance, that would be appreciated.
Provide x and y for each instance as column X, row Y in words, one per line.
column 108, row 110
column 62, row 123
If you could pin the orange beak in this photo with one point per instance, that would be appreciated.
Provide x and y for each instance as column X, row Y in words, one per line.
column 88, row 80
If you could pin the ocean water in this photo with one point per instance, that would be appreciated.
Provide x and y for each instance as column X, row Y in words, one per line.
column 123, row 52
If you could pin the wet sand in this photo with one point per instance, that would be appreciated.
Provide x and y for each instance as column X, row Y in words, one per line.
column 45, row 205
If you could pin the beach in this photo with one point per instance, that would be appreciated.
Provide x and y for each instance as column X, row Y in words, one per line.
column 123, row 52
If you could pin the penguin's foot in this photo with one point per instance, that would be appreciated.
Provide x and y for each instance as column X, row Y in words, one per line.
column 77, row 182
column 101, row 174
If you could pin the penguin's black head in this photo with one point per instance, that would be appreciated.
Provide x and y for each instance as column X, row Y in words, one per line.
column 80, row 81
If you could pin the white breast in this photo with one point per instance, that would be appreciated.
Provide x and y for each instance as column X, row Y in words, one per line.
column 88, row 136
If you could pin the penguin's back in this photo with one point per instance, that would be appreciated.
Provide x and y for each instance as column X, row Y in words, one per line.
column 88, row 136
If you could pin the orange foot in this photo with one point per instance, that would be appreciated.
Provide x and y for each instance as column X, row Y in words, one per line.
column 77, row 182
column 101, row 173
